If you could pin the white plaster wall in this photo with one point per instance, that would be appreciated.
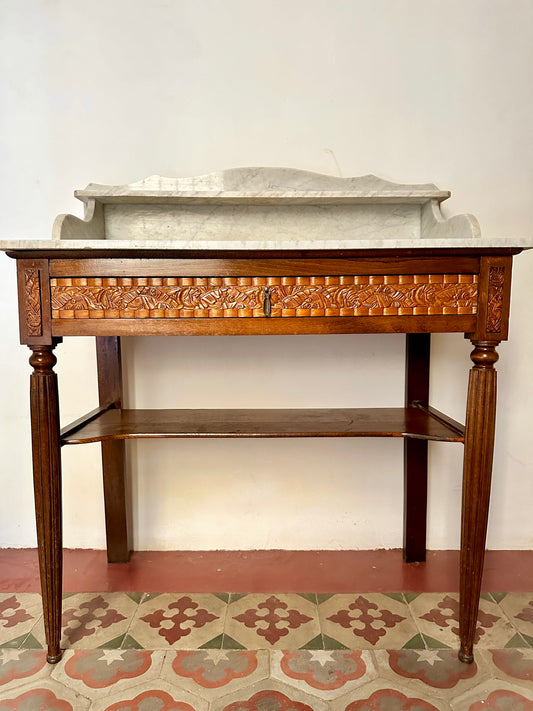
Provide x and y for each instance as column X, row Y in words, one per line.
column 417, row 91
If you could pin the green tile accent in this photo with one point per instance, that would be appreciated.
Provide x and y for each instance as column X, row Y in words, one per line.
column 229, row 643
column 528, row 639
column 16, row 643
column 316, row 643
column 396, row 596
column 516, row 641
column 149, row 596
column 32, row 642
column 432, row 643
column 330, row 643
column 415, row 642
column 486, row 596
column 237, row 596
column 311, row 597
column 131, row 643
column 322, row 597
column 135, row 596
column 65, row 596
column 222, row 596
column 215, row 643
column 115, row 643
column 498, row 596
column 410, row 596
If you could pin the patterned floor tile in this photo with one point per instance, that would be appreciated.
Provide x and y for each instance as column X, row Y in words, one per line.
column 370, row 621
column 93, row 620
column 158, row 696
column 212, row 673
column 269, row 695
column 513, row 663
column 519, row 609
column 437, row 616
column 495, row 695
column 22, row 666
column 436, row 671
column 45, row 694
column 259, row 621
column 171, row 620
column 19, row 613
column 93, row 673
column 324, row 673
column 383, row 695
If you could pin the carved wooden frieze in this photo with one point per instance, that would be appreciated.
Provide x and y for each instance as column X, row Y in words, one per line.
column 214, row 297
column 495, row 299
column 32, row 294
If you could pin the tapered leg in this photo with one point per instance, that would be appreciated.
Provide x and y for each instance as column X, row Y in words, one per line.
column 113, row 453
column 416, row 450
column 477, row 472
column 47, row 488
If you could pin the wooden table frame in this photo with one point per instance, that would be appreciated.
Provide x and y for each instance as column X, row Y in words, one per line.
column 110, row 293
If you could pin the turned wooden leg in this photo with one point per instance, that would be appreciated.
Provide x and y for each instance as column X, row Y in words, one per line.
column 477, row 471
column 47, row 488
column 113, row 453
column 416, row 450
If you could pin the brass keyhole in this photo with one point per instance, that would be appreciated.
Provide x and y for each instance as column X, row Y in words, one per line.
column 267, row 305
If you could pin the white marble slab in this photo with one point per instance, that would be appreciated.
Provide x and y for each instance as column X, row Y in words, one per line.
column 263, row 209
column 166, row 245
column 263, row 205
column 261, row 185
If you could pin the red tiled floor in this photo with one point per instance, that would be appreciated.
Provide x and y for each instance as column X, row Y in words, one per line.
column 257, row 571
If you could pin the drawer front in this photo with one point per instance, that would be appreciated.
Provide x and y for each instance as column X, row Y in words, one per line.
column 262, row 297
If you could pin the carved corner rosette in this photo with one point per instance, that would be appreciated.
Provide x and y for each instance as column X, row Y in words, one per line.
column 33, row 310
column 495, row 299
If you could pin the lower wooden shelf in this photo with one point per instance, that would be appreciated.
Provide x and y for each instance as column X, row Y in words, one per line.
column 416, row 422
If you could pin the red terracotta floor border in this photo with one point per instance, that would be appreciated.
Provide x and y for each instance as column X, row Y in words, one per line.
column 265, row 571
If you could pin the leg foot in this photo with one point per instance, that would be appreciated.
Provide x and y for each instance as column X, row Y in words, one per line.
column 54, row 659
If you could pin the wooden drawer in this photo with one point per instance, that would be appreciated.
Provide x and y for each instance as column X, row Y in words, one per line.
column 262, row 297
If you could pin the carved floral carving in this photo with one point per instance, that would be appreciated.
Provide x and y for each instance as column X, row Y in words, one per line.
column 32, row 292
column 243, row 297
column 495, row 299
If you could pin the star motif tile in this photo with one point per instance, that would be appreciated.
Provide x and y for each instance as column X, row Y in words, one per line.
column 211, row 673
column 96, row 673
column 324, row 673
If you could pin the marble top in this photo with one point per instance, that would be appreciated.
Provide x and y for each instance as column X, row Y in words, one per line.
column 263, row 209
column 177, row 245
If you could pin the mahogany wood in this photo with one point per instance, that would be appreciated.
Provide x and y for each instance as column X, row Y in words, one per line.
column 109, row 365
column 494, row 299
column 34, row 302
column 417, row 353
column 486, row 327
column 457, row 323
column 265, row 266
column 44, row 403
column 477, row 471
column 342, row 422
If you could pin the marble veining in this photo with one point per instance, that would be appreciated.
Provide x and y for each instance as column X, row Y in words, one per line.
column 263, row 205
column 263, row 208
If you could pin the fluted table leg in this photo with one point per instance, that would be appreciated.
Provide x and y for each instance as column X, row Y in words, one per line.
column 477, row 472
column 47, row 489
